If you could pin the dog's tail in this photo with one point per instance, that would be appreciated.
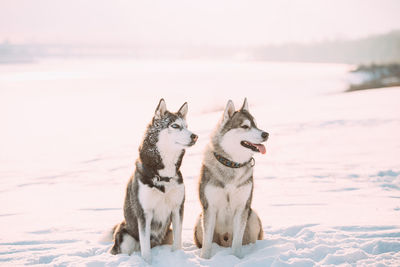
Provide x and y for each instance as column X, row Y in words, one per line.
column 108, row 236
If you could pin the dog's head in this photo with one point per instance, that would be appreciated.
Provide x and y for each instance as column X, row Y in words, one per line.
column 171, row 128
column 238, row 135
column 166, row 137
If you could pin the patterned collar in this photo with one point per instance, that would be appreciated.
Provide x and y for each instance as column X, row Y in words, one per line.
column 153, row 178
column 158, row 178
column 232, row 164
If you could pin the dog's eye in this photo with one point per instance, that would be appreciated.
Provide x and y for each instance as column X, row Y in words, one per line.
column 175, row 126
column 245, row 127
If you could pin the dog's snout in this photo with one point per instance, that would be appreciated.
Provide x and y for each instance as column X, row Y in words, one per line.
column 194, row 137
column 264, row 135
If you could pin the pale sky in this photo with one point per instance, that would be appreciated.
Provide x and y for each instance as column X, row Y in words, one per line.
column 200, row 22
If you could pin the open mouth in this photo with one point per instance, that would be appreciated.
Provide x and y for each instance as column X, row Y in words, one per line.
column 255, row 147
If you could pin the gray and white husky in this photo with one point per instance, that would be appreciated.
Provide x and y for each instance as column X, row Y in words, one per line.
column 226, row 184
column 155, row 193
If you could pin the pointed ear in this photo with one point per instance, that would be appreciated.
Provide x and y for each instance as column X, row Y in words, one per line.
column 245, row 105
column 183, row 110
column 229, row 110
column 161, row 109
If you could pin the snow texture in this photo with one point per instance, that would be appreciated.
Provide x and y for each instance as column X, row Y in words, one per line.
column 327, row 191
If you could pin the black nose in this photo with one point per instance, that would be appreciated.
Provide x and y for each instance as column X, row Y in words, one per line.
column 194, row 137
column 264, row 135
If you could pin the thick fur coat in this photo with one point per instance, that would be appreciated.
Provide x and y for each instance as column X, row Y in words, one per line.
column 155, row 193
column 226, row 184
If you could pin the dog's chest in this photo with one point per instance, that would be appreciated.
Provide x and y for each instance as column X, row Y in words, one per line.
column 226, row 201
column 227, row 198
column 159, row 203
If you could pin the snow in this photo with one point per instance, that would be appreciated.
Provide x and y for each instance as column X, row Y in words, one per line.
column 327, row 191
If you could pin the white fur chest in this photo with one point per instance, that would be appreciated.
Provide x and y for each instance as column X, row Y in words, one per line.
column 226, row 201
column 159, row 203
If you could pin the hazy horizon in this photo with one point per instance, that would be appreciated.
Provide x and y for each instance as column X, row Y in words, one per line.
column 190, row 23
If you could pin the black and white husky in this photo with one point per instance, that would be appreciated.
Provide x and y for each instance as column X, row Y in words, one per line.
column 155, row 193
column 226, row 184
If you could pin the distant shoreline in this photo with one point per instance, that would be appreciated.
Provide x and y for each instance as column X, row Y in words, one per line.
column 374, row 76
column 371, row 88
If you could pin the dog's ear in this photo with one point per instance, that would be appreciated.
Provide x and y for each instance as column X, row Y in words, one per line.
column 229, row 110
column 183, row 110
column 161, row 109
column 245, row 105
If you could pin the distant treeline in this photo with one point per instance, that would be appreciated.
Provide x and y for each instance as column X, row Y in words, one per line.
column 14, row 53
column 383, row 48
column 379, row 49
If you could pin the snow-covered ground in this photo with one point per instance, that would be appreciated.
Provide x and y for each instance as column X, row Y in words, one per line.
column 327, row 191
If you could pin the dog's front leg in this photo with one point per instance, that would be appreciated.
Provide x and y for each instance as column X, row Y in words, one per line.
column 239, row 225
column 144, row 235
column 177, row 217
column 209, row 217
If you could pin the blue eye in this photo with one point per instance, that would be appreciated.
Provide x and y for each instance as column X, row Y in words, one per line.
column 175, row 126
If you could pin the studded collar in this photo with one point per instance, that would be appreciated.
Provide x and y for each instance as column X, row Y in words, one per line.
column 232, row 164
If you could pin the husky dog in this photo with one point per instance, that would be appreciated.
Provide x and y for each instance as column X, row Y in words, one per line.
column 155, row 193
column 226, row 184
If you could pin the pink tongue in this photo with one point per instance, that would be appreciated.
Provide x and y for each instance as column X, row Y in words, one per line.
column 261, row 147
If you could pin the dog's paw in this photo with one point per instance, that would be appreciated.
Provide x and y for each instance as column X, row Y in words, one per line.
column 147, row 257
column 176, row 247
column 238, row 253
column 205, row 253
